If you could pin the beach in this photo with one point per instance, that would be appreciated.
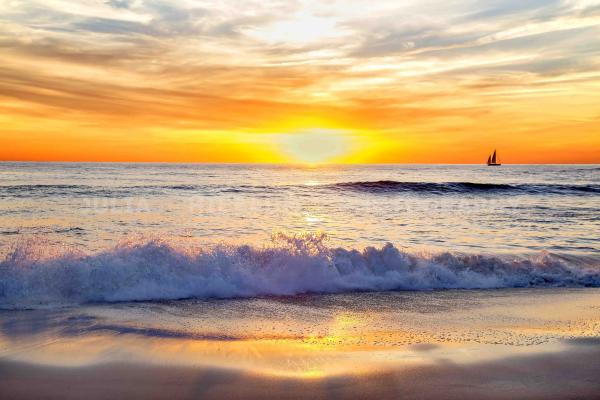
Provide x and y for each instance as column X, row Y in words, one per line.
column 565, row 375
column 500, row 344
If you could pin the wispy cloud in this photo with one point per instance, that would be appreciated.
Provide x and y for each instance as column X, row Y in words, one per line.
column 119, row 3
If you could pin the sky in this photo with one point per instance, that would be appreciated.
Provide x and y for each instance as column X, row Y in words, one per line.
column 351, row 81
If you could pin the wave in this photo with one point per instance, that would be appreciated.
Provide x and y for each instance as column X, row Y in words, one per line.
column 33, row 276
column 387, row 186
column 42, row 191
column 381, row 186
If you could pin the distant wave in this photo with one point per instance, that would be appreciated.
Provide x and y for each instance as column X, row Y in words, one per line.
column 381, row 186
column 156, row 270
column 463, row 187
column 39, row 191
column 42, row 191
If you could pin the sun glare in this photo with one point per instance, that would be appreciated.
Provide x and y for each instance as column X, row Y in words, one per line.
column 315, row 146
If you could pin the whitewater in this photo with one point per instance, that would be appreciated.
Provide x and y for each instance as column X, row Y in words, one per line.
column 156, row 270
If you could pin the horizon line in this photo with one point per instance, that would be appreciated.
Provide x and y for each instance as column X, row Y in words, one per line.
column 276, row 163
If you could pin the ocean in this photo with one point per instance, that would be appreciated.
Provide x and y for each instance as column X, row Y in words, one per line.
column 75, row 233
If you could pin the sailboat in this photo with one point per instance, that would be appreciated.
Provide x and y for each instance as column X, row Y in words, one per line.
column 493, row 161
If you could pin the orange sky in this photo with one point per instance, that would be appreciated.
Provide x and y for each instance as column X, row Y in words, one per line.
column 300, row 81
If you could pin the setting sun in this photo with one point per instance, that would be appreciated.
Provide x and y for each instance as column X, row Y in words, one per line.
column 315, row 145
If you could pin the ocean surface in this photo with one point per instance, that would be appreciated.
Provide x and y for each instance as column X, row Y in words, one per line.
column 75, row 233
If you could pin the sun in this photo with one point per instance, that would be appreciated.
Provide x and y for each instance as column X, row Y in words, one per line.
column 315, row 146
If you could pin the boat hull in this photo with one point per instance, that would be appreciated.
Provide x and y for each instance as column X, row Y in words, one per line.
column 494, row 165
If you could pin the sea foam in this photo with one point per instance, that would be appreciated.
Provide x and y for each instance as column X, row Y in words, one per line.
column 293, row 264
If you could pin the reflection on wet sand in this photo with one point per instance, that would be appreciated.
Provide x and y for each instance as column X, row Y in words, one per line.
column 310, row 337
column 564, row 375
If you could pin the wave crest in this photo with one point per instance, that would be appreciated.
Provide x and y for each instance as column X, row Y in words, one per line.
column 294, row 264
column 463, row 187
column 373, row 187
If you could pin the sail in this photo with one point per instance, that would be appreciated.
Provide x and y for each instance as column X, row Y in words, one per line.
column 489, row 159
column 494, row 157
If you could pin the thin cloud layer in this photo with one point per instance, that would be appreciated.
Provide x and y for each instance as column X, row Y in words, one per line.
column 405, row 80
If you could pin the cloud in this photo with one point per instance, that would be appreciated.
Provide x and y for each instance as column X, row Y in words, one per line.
column 113, row 26
column 119, row 3
column 539, row 9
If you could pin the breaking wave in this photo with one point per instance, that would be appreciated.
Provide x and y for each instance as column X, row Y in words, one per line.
column 292, row 264
column 464, row 187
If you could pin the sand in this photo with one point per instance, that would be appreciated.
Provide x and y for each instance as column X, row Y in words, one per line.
column 572, row 374
column 508, row 344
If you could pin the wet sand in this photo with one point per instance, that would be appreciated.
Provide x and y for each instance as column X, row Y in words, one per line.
column 506, row 344
column 571, row 374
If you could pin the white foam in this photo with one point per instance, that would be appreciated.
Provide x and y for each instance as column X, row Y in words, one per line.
column 157, row 269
